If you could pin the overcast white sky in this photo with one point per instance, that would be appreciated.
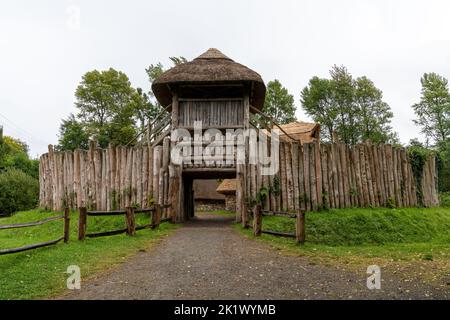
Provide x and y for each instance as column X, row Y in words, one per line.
column 43, row 54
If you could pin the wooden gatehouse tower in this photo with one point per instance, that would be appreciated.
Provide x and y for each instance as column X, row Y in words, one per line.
column 220, row 93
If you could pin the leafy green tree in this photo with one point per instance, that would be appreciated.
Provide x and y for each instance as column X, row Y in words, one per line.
column 433, row 110
column 14, row 155
column 317, row 101
column 18, row 191
column 351, row 110
column 72, row 135
column 104, row 104
column 279, row 105
column 375, row 115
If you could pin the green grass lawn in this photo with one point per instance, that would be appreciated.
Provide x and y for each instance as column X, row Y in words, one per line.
column 360, row 237
column 40, row 273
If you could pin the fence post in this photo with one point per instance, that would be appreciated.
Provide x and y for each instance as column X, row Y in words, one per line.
column 131, row 223
column 257, row 220
column 300, row 227
column 156, row 216
column 66, row 224
column 82, row 219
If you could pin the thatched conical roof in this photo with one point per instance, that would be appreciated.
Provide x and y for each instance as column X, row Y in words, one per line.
column 209, row 68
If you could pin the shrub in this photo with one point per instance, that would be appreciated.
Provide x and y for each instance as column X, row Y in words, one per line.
column 18, row 191
column 444, row 199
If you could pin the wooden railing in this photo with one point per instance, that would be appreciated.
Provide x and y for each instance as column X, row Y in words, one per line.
column 257, row 225
column 65, row 237
column 130, row 220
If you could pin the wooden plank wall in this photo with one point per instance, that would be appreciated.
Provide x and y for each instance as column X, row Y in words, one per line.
column 212, row 113
column 315, row 176
column 311, row 176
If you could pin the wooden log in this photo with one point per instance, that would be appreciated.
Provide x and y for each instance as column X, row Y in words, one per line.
column 306, row 166
column 106, row 180
column 313, row 176
column 30, row 247
column 157, row 152
column 365, row 188
column 318, row 170
column 82, row 223
column 66, row 224
column 339, row 177
column 377, row 169
column 283, row 179
column 331, row 197
column 289, row 177
column 92, row 197
column 134, row 178
column 128, row 178
column 300, row 227
column 150, row 175
column 257, row 220
column 130, row 221
column 395, row 178
column 352, row 173
column 344, row 175
column 145, row 199
column 301, row 177
column 324, row 163
column 405, row 182
column 30, row 224
column 296, row 188
column 156, row 216
column 369, row 175
column 389, row 164
column 176, row 214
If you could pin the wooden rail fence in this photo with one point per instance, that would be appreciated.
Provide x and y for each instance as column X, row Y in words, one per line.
column 299, row 217
column 64, row 238
column 129, row 213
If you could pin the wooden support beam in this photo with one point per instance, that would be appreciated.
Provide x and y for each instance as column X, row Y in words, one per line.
column 300, row 227
column 66, row 224
column 257, row 220
column 82, row 219
column 130, row 221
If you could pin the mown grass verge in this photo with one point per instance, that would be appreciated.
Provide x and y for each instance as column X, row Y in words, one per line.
column 41, row 273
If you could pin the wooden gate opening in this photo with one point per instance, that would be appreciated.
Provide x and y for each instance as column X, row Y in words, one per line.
column 188, row 178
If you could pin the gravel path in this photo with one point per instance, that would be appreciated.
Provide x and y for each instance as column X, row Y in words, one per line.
column 208, row 259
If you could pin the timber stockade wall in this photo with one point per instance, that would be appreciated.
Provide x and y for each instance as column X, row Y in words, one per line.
column 311, row 176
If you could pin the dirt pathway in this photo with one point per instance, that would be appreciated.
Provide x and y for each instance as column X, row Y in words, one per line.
column 208, row 259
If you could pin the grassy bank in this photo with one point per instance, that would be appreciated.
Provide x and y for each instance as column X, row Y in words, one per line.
column 40, row 273
column 356, row 238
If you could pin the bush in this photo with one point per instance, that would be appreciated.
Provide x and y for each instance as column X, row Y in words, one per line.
column 444, row 199
column 18, row 191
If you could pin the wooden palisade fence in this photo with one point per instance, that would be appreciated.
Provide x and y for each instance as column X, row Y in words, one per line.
column 310, row 176
column 65, row 236
column 315, row 176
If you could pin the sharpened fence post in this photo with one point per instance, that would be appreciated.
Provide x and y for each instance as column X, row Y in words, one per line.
column 257, row 220
column 300, row 227
column 156, row 216
column 130, row 220
column 82, row 218
column 66, row 225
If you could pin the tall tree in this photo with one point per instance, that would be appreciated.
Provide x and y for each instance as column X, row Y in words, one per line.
column 375, row 115
column 317, row 101
column 72, row 135
column 103, row 100
column 350, row 109
column 279, row 104
column 433, row 110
